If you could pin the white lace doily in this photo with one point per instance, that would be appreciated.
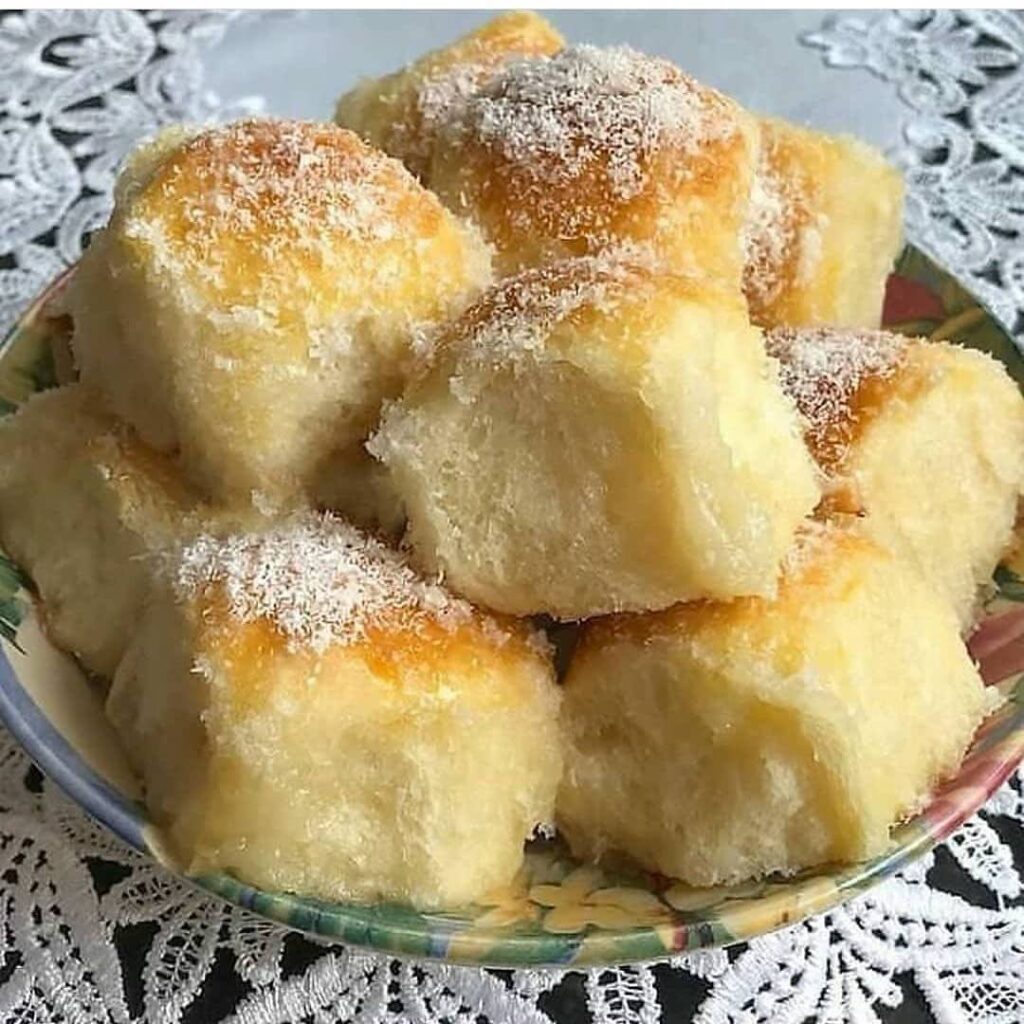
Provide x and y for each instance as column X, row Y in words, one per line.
column 92, row 932
column 962, row 76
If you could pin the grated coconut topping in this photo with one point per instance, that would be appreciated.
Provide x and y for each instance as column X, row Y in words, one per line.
column 768, row 235
column 318, row 580
column 782, row 235
column 516, row 316
column 279, row 185
column 442, row 93
column 824, row 370
column 438, row 95
column 557, row 116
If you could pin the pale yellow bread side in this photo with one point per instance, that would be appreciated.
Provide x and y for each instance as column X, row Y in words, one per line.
column 309, row 715
column 260, row 289
column 593, row 148
column 717, row 742
column 399, row 113
column 926, row 438
column 582, row 443
column 824, row 226
column 82, row 502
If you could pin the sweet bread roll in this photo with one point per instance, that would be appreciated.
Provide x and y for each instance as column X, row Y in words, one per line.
column 260, row 288
column 310, row 715
column 715, row 742
column 592, row 148
column 583, row 443
column 399, row 113
column 81, row 504
column 927, row 438
column 824, row 226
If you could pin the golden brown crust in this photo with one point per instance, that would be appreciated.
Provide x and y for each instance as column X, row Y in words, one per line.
column 567, row 155
column 400, row 112
column 523, row 309
column 312, row 584
column 815, row 197
column 818, row 563
column 422, row 653
column 235, row 205
column 840, row 380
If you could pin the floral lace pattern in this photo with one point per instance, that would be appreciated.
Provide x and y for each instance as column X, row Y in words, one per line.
column 93, row 932
column 78, row 89
column 962, row 76
column 75, row 900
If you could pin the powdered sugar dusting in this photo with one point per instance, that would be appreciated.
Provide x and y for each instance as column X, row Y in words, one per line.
column 559, row 116
column 825, row 371
column 318, row 580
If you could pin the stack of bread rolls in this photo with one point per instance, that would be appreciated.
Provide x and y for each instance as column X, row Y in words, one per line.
column 532, row 330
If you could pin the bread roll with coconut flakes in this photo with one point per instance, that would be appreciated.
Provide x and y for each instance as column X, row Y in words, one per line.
column 926, row 438
column 400, row 113
column 582, row 444
column 312, row 716
column 824, row 227
column 596, row 148
column 260, row 289
column 715, row 742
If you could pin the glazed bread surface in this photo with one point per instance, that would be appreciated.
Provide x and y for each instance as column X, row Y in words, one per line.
column 260, row 289
column 582, row 443
column 312, row 716
column 715, row 742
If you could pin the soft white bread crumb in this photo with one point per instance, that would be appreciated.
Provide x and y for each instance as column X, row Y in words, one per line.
column 400, row 113
column 715, row 742
column 824, row 225
column 596, row 436
column 81, row 504
column 925, row 437
column 260, row 289
column 309, row 714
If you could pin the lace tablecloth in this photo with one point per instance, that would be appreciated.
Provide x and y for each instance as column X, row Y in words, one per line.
column 91, row 932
